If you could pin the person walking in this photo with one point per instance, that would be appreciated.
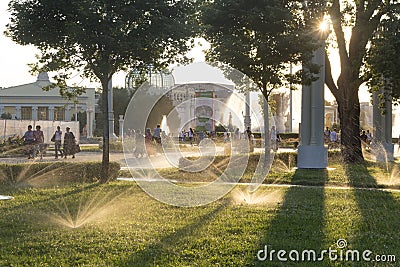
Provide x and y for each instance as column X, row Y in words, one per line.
column 157, row 134
column 191, row 136
column 57, row 137
column 29, row 140
column 39, row 142
column 327, row 134
column 369, row 139
column 69, row 143
column 333, row 138
column 363, row 138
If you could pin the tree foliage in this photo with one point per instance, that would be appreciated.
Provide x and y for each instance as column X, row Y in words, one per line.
column 365, row 18
column 101, row 37
column 259, row 38
column 383, row 58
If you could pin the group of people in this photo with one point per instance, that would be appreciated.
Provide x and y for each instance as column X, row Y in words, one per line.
column 332, row 138
column 34, row 142
column 366, row 139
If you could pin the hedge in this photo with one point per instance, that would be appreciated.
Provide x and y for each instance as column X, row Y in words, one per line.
column 289, row 158
column 54, row 173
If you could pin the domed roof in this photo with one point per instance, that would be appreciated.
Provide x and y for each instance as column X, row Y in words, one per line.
column 43, row 77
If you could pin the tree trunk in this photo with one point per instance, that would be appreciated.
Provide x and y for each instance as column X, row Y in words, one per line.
column 106, row 133
column 349, row 115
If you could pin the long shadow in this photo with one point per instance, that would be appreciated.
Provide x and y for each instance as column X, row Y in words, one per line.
column 378, row 228
column 299, row 223
column 154, row 251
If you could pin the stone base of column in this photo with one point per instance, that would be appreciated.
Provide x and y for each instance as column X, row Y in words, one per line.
column 312, row 157
column 383, row 152
column 113, row 137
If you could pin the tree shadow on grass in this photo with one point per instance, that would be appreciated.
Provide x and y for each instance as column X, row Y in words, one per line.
column 299, row 223
column 379, row 226
column 171, row 241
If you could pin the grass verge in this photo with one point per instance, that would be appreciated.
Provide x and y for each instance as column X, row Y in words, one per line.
column 119, row 225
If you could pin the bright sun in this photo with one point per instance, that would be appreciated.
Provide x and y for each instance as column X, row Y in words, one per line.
column 323, row 26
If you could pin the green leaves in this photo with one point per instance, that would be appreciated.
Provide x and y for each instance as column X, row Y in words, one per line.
column 382, row 60
column 259, row 38
column 102, row 37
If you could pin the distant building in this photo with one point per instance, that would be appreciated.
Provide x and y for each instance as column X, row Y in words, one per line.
column 30, row 102
column 196, row 105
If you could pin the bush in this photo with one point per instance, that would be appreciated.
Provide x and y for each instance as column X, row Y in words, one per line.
column 285, row 136
column 289, row 158
column 114, row 146
column 53, row 174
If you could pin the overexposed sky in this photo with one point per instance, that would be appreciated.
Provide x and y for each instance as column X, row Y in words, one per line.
column 15, row 71
column 14, row 60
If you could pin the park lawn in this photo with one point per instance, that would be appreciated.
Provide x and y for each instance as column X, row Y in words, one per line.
column 368, row 174
column 117, row 224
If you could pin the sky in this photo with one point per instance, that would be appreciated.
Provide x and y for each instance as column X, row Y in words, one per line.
column 14, row 59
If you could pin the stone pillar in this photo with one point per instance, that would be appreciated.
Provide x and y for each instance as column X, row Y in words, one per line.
column 111, row 111
column 312, row 154
column 1, row 109
column 51, row 113
column 18, row 112
column 382, row 145
column 34, row 113
column 121, row 125
column 247, row 118
column 67, row 113
column 89, row 122
column 279, row 111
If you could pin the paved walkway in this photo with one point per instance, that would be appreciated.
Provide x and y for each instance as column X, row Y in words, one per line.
column 158, row 161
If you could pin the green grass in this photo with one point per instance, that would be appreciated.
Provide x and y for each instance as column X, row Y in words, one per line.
column 117, row 224
column 368, row 174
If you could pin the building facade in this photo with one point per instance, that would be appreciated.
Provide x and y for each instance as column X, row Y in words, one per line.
column 31, row 102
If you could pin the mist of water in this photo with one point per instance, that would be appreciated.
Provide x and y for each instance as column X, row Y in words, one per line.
column 164, row 125
column 260, row 197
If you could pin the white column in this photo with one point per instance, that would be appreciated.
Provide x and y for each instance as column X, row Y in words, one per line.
column 34, row 113
column 111, row 111
column 312, row 154
column 121, row 125
column 18, row 112
column 290, row 118
column 51, row 113
column 1, row 109
column 89, row 122
column 382, row 146
column 247, row 118
column 317, row 101
column 67, row 113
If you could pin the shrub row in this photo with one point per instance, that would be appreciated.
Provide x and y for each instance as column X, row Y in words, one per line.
column 54, row 173
column 289, row 158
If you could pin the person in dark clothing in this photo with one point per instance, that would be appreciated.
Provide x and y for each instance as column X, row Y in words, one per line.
column 29, row 140
column 363, row 138
column 69, row 143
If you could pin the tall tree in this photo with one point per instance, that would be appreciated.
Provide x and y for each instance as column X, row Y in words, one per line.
column 383, row 58
column 365, row 18
column 101, row 37
column 258, row 38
